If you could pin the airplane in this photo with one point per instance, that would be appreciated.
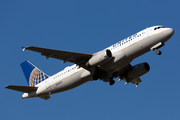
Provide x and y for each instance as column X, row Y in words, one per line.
column 107, row 64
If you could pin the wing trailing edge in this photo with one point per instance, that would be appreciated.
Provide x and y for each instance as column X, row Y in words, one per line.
column 66, row 56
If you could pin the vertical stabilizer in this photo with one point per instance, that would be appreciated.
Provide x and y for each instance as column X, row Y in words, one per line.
column 33, row 75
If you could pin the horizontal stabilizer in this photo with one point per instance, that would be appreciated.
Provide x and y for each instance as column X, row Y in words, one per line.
column 25, row 89
column 45, row 97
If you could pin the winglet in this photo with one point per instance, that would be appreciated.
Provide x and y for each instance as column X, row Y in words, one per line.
column 24, row 48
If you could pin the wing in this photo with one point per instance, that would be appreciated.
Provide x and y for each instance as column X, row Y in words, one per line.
column 121, row 74
column 74, row 57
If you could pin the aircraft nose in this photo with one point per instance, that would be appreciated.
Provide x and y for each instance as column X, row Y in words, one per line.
column 170, row 32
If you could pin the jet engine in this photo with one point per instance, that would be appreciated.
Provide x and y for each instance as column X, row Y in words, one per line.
column 137, row 70
column 99, row 58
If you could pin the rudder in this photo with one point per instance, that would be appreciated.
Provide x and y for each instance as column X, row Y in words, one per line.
column 33, row 75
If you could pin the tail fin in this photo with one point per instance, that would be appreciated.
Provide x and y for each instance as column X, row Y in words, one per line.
column 33, row 75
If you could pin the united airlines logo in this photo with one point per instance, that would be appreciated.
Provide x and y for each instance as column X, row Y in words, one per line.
column 36, row 77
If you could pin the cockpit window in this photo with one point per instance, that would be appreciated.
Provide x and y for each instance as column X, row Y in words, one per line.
column 158, row 27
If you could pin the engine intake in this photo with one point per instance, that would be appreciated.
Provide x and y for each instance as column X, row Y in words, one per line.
column 99, row 58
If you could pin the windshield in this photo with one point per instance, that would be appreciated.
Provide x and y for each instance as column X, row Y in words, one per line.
column 158, row 27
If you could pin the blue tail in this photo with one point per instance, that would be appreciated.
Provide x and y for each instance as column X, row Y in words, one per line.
column 33, row 75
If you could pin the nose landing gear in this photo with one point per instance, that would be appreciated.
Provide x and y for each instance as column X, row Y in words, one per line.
column 157, row 46
column 157, row 52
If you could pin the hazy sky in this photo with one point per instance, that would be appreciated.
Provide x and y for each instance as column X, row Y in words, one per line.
column 88, row 27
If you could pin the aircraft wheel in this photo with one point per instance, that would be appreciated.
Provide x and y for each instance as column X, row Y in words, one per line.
column 158, row 52
column 111, row 82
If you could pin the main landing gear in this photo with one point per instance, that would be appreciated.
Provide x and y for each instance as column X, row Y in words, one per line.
column 111, row 82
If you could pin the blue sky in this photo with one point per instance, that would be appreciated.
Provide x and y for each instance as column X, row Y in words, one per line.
column 88, row 27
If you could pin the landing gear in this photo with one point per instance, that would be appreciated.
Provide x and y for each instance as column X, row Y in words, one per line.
column 157, row 46
column 111, row 82
column 158, row 52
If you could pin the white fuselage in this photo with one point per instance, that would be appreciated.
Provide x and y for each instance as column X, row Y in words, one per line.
column 123, row 53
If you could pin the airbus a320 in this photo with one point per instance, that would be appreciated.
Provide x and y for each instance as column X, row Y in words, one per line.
column 106, row 65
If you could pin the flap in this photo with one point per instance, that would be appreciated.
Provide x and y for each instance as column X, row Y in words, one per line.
column 136, row 81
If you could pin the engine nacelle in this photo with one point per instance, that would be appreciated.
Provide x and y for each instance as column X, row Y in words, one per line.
column 138, row 70
column 99, row 58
